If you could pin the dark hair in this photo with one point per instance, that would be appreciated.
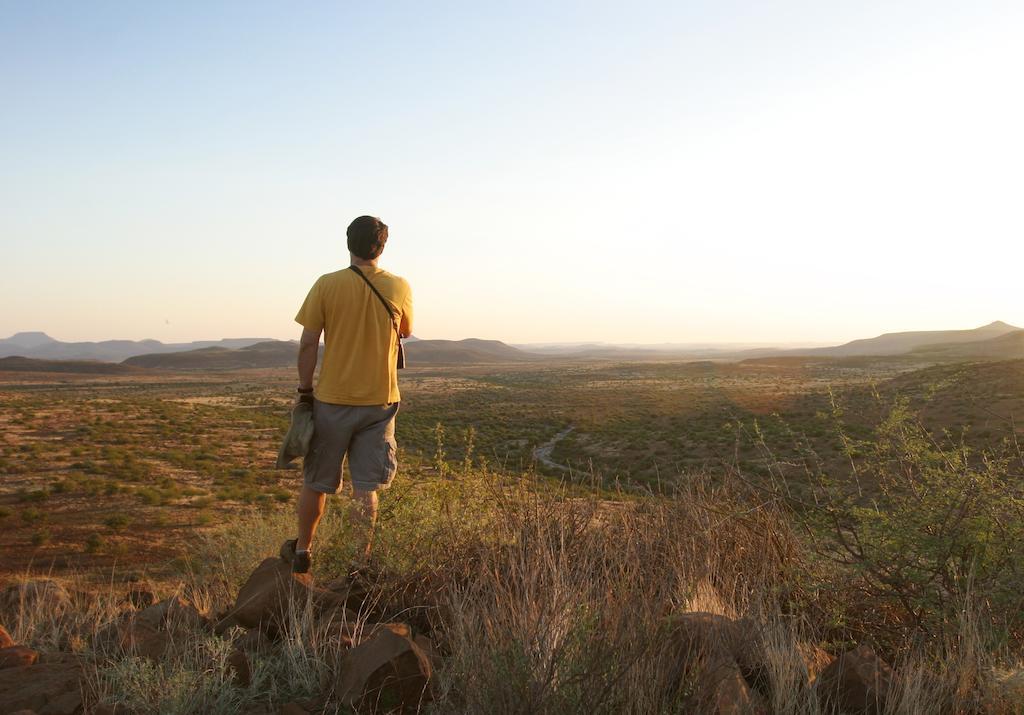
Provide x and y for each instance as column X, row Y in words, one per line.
column 366, row 237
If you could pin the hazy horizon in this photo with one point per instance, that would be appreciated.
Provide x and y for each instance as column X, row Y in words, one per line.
column 805, row 173
column 734, row 344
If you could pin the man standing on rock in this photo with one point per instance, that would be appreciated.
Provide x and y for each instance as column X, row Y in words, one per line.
column 362, row 312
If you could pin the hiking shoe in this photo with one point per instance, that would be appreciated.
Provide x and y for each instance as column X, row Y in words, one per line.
column 300, row 562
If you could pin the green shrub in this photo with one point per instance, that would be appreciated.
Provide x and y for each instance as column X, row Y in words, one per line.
column 117, row 522
column 35, row 495
column 149, row 496
column 93, row 543
column 924, row 523
column 32, row 515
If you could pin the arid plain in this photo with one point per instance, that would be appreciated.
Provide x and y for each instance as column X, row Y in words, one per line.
column 783, row 533
column 101, row 470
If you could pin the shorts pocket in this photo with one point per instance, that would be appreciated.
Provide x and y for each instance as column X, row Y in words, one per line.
column 389, row 461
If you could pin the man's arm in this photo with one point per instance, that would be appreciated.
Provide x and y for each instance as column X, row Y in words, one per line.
column 405, row 327
column 309, row 346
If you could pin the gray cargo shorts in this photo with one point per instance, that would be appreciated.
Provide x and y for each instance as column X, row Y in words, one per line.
column 364, row 433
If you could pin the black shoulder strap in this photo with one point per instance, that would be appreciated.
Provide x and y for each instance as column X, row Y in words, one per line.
column 383, row 300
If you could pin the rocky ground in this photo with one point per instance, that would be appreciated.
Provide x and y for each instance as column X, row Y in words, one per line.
column 377, row 666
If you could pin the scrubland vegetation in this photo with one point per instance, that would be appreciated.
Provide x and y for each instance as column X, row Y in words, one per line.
column 847, row 505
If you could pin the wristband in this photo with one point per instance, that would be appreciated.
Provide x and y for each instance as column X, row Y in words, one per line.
column 305, row 390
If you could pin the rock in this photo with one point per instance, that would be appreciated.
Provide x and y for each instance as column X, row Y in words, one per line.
column 427, row 646
column 17, row 655
column 1006, row 690
column 254, row 641
column 46, row 595
column 238, row 667
column 150, row 632
column 386, row 670
column 140, row 596
column 133, row 636
column 727, row 657
column 260, row 709
column 5, row 638
column 45, row 688
column 173, row 612
column 712, row 633
column 264, row 598
column 723, row 691
column 23, row 712
column 293, row 709
column 815, row 660
column 66, row 703
column 858, row 681
column 359, row 592
column 107, row 709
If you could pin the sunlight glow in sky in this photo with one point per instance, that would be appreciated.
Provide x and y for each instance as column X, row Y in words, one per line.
column 551, row 171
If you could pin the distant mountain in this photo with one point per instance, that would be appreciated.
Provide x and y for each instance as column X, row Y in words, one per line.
column 463, row 352
column 901, row 343
column 269, row 353
column 42, row 346
column 29, row 339
column 1005, row 347
column 279, row 353
column 238, row 353
column 86, row 367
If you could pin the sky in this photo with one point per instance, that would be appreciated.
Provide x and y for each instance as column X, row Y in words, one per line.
column 639, row 172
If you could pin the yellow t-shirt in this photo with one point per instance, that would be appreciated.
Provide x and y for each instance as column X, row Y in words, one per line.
column 360, row 342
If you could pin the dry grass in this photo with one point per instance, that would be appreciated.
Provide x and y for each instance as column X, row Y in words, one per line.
column 540, row 601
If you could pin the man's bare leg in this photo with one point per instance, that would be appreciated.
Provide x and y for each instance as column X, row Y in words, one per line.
column 310, row 510
column 364, row 518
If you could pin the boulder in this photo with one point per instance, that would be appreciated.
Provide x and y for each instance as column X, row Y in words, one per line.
column 355, row 588
column 726, row 658
column 815, row 659
column 239, row 669
column 254, row 641
column 858, row 681
column 5, row 638
column 1006, row 689
column 264, row 598
column 17, row 655
column 723, row 691
column 111, row 709
column 260, row 709
column 427, row 646
column 385, row 670
column 46, row 595
column 45, row 688
column 140, row 595
column 150, row 632
column 174, row 612
column 143, row 640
